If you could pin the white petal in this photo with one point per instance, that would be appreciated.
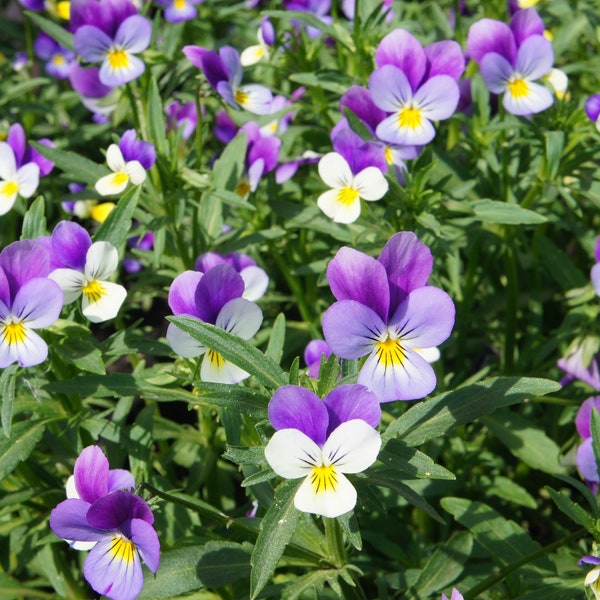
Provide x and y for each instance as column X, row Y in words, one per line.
column 537, row 99
column 71, row 488
column 240, row 317
column 352, row 447
column 114, row 158
column 215, row 369
column 101, row 260
column 429, row 354
column 7, row 201
column 371, row 184
column 251, row 55
column 292, row 454
column 329, row 503
column 335, row 170
column 340, row 212
column 136, row 172
column 70, row 281
column 8, row 162
column 112, row 184
column 183, row 343
column 33, row 350
column 107, row 306
column 28, row 177
column 256, row 282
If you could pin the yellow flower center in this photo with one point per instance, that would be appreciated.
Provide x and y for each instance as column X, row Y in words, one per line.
column 347, row 196
column 14, row 333
column 9, row 188
column 118, row 58
column 388, row 155
column 215, row 359
column 58, row 59
column 122, row 549
column 390, row 353
column 323, row 479
column 179, row 4
column 120, row 177
column 94, row 290
column 410, row 117
column 241, row 97
column 518, row 88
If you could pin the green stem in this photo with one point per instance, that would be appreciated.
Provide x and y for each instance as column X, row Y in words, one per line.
column 335, row 542
column 510, row 324
column 508, row 569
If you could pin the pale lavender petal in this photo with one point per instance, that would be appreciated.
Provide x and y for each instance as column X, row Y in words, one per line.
column 535, row 57
column 256, row 282
column 592, row 110
column 408, row 263
column 174, row 14
column 134, row 34
column 240, row 317
column 586, row 461
column 91, row 474
column 595, row 277
column 22, row 261
column 38, row 303
column 313, row 352
column 231, row 61
column 438, row 98
column 351, row 401
column 70, row 243
column 445, row 58
column 583, row 419
column 353, row 275
column 120, row 479
column 403, row 50
column 91, row 43
column 496, row 72
column 489, row 35
column 358, row 100
column 118, row 76
column 295, row 407
column 182, row 293
column 352, row 329
column 183, row 343
column 425, row 318
column 217, row 287
column 390, row 88
column 145, row 538
column 392, row 132
column 117, row 507
column 68, row 521
column 525, row 23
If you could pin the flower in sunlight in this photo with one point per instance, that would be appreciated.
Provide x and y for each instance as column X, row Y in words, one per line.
column 123, row 172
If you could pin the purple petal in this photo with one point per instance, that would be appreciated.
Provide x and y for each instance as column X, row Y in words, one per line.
column 390, row 88
column 496, row 72
column 134, row 149
column 212, row 66
column 525, row 23
column 5, row 296
column 313, row 352
column 535, row 57
column 208, row 260
column 489, row 35
column 359, row 101
column 86, row 81
column 134, row 34
column 266, row 149
column 91, row 43
column 110, row 511
column 70, row 243
column 353, row 275
column 400, row 49
column 195, row 54
column 583, row 419
column 445, row 58
column 586, row 462
column 574, row 368
column 145, row 538
column 347, row 402
column 22, row 261
column 182, row 293
column 407, row 262
column 589, row 560
column 240, row 261
column 120, row 479
column 217, row 287
column 39, row 302
column 597, row 249
column 295, row 407
column 16, row 140
column 351, row 329
column 592, row 110
column 45, row 164
column 231, row 60
column 91, row 474
column 358, row 153
column 68, row 521
column 106, row 15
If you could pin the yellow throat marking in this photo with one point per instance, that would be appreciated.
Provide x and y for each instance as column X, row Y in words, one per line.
column 118, row 58
column 410, row 117
column 14, row 333
column 94, row 290
column 123, row 549
column 390, row 353
column 518, row 88
column 323, row 479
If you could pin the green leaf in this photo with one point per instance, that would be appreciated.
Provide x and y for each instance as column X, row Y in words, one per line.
column 118, row 223
column 83, row 353
column 329, row 373
column 595, row 430
column 229, row 167
column 211, row 565
column 527, row 443
column 332, row 81
column 73, row 164
column 505, row 541
column 55, row 31
column 435, row 417
column 584, row 490
column 245, row 455
column 356, row 124
column 276, row 530
column 494, row 211
column 507, row 489
column 23, row 438
column 445, row 565
column 349, row 524
column 554, row 144
column 314, row 580
column 235, row 349
column 235, row 398
column 571, row 509
column 259, row 477
column 412, row 462
column 559, row 264
column 8, row 380
column 276, row 340
column 156, row 119
column 34, row 221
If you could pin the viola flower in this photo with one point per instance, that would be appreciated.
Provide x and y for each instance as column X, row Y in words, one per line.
column 85, row 272
column 134, row 149
column 574, row 368
column 321, row 440
column 417, row 85
column 385, row 310
column 266, row 40
column 113, row 39
column 22, row 181
column 314, row 351
column 24, row 153
column 28, row 301
column 262, row 154
column 342, row 202
column 58, row 59
column 177, row 11
column 223, row 70
column 593, row 577
column 98, row 98
column 182, row 116
column 213, row 297
column 116, row 522
column 123, row 171
column 319, row 8
column 255, row 279
column 592, row 109
column 511, row 58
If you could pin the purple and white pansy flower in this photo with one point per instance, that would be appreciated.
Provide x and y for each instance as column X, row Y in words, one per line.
column 15, row 181
column 592, row 579
column 123, row 170
column 28, row 301
column 386, row 311
column 86, row 268
column 177, row 11
column 321, row 441
column 213, row 297
column 416, row 85
column 115, row 523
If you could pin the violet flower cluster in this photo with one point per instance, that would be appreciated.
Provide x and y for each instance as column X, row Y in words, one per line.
column 103, row 516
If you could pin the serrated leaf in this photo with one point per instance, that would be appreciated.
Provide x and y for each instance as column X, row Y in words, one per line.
column 414, row 463
column 435, row 417
column 118, row 223
column 23, row 438
column 276, row 530
column 34, row 221
column 495, row 211
column 234, row 349
column 571, row 509
column 245, row 455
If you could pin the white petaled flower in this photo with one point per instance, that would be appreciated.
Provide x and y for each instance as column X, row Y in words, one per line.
column 253, row 54
column 15, row 182
column 342, row 202
column 350, row 448
column 102, row 299
column 122, row 173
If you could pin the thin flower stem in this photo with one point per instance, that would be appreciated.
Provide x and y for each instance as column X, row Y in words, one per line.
column 508, row 569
